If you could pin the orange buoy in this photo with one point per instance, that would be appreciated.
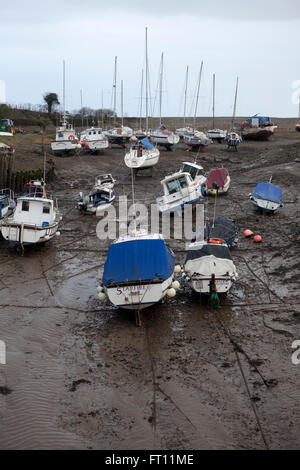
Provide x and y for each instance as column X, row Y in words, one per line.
column 257, row 239
column 248, row 233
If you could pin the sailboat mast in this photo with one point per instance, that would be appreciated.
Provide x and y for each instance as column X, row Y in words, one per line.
column 198, row 92
column 235, row 99
column 122, row 117
column 160, row 85
column 214, row 86
column 102, row 109
column 185, row 93
column 115, row 91
column 64, row 90
column 141, row 102
column 81, row 108
column 147, row 78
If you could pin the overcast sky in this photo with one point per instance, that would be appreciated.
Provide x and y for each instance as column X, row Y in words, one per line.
column 256, row 40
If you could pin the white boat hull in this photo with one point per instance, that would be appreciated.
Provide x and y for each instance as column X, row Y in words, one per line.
column 202, row 284
column 266, row 205
column 27, row 234
column 138, row 296
column 148, row 158
column 64, row 147
column 96, row 145
column 171, row 139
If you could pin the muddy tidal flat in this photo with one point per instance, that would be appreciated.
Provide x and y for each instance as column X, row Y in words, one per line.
column 81, row 375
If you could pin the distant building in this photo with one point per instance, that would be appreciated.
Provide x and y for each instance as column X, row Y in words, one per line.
column 2, row 92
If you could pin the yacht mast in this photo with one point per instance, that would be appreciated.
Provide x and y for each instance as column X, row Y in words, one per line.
column 235, row 99
column 81, row 108
column 64, row 90
column 198, row 91
column 141, row 102
column 115, row 91
column 122, row 118
column 214, row 85
column 160, row 85
column 147, row 78
column 102, row 109
column 185, row 93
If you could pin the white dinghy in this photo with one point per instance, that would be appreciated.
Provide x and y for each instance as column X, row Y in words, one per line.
column 35, row 219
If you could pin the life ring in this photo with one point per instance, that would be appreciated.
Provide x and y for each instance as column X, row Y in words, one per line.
column 71, row 137
column 217, row 241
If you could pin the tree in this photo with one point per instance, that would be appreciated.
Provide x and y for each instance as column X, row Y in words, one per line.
column 51, row 100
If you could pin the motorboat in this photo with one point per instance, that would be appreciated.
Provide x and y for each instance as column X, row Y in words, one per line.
column 179, row 189
column 93, row 139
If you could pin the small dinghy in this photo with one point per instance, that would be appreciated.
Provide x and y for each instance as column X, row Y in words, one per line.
column 233, row 139
column 218, row 181
column 179, row 189
column 93, row 139
column 138, row 271
column 267, row 197
column 97, row 201
column 223, row 228
column 106, row 180
column 7, row 203
column 142, row 154
column 209, row 267
column 297, row 127
column 35, row 219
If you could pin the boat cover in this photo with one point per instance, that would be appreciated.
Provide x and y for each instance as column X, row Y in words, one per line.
column 138, row 260
column 147, row 144
column 218, row 176
column 268, row 191
column 218, row 251
column 223, row 227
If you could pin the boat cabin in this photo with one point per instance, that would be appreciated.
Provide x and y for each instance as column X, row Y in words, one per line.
column 105, row 180
column 34, row 211
column 193, row 169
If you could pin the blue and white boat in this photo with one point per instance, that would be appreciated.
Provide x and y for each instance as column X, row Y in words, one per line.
column 138, row 272
column 179, row 189
column 267, row 197
column 233, row 139
column 99, row 199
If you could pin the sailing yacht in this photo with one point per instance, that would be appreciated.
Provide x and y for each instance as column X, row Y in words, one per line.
column 215, row 134
column 118, row 134
column 162, row 136
column 66, row 140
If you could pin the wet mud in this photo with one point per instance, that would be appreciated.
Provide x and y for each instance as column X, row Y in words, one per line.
column 81, row 375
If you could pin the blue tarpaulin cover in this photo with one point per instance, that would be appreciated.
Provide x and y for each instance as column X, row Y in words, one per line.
column 147, row 144
column 268, row 191
column 138, row 260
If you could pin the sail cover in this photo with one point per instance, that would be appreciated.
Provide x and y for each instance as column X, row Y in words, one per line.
column 217, row 176
column 268, row 191
column 138, row 260
column 146, row 143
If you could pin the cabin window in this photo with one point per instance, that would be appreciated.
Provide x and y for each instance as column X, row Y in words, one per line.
column 94, row 132
column 60, row 134
column 4, row 202
column 25, row 206
column 182, row 182
column 46, row 208
column 173, row 186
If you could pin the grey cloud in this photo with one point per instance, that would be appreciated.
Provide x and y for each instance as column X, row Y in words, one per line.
column 51, row 11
